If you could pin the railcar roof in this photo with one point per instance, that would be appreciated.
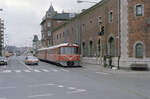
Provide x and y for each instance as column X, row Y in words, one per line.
column 57, row 46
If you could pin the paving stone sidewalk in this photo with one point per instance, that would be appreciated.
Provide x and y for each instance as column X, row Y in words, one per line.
column 100, row 68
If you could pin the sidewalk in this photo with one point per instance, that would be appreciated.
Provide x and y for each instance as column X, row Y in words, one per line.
column 98, row 68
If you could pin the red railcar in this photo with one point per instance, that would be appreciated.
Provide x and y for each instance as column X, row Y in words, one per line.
column 64, row 54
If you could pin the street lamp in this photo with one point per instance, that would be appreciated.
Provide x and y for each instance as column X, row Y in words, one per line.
column 80, row 1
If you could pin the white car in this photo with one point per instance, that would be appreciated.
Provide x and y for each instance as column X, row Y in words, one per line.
column 31, row 60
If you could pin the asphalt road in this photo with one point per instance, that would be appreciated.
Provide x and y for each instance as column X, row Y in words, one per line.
column 46, row 81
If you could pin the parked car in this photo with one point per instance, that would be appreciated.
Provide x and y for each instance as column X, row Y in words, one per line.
column 31, row 60
column 3, row 61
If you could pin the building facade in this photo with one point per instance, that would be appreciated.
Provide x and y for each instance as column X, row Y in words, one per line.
column 118, row 29
column 51, row 20
column 1, row 36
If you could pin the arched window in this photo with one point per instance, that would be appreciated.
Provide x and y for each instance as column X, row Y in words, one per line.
column 139, row 50
column 91, row 49
column 83, row 49
column 98, row 48
column 111, row 46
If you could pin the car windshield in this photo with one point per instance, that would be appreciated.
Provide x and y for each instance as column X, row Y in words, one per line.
column 31, row 57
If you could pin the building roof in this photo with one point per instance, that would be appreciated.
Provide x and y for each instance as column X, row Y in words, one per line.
column 51, row 9
column 82, row 13
column 62, row 16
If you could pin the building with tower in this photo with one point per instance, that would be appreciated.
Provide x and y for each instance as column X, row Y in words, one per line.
column 50, row 21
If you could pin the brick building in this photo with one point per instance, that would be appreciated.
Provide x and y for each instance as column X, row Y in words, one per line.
column 116, row 28
column 51, row 20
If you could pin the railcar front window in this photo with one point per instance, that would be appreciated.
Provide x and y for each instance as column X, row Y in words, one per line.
column 68, row 50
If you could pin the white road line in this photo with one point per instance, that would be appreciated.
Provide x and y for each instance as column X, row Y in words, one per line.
column 71, row 88
column 6, row 71
column 41, row 85
column 55, row 70
column 7, row 88
column 45, row 70
column 60, row 86
column 102, row 73
column 42, row 95
column 3, row 98
column 35, row 70
column 17, row 71
column 77, row 91
column 51, row 84
column 25, row 65
column 65, row 70
column 27, row 70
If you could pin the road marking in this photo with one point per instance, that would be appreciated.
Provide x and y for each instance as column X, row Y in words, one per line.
column 60, row 86
column 17, row 71
column 42, row 95
column 35, row 70
column 7, row 71
column 71, row 88
column 77, row 91
column 45, row 70
column 27, row 70
column 102, row 73
column 65, row 70
column 25, row 65
column 41, row 85
column 7, row 88
column 55, row 70
column 3, row 98
column 51, row 84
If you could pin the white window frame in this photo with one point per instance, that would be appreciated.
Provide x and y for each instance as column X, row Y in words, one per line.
column 135, row 11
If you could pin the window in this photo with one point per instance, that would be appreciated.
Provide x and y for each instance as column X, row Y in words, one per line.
column 49, row 24
column 60, row 35
column 83, row 49
column 111, row 16
column 83, row 27
column 69, row 50
column 139, row 51
column 91, row 49
column 100, row 20
column 111, row 46
column 139, row 10
column 98, row 48
column 63, row 34
column 57, row 36
column 49, row 33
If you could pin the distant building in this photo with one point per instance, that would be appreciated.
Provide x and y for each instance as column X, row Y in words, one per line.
column 36, row 44
column 51, row 20
column 1, row 35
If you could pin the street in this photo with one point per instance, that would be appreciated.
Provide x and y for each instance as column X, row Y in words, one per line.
column 47, row 81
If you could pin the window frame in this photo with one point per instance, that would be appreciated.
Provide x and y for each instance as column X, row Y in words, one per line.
column 136, row 10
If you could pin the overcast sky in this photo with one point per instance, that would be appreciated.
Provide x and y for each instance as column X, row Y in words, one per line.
column 22, row 17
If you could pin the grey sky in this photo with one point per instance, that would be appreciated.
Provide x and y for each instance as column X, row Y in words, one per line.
column 23, row 17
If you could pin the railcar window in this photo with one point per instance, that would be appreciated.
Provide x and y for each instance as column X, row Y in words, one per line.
column 69, row 50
